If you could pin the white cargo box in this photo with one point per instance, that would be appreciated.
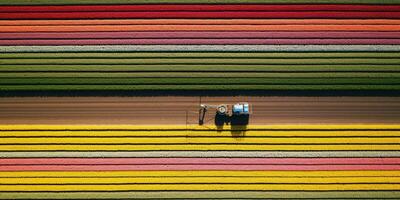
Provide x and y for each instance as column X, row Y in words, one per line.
column 241, row 109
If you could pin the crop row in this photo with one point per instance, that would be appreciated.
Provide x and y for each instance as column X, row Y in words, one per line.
column 198, row 75
column 200, row 71
column 203, row 61
column 203, row 55
column 66, row 2
column 198, row 81
column 197, row 87
column 200, row 68
column 270, row 127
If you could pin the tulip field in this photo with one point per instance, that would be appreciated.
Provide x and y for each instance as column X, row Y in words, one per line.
column 199, row 99
column 201, row 47
column 184, row 158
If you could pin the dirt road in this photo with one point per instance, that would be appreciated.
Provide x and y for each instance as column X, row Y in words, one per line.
column 184, row 110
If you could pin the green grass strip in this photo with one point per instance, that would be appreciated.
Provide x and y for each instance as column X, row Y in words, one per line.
column 200, row 74
column 199, row 68
column 199, row 81
column 203, row 195
column 62, row 2
column 147, row 61
column 196, row 87
column 204, row 55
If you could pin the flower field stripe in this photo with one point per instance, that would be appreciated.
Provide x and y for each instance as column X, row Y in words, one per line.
column 197, row 41
column 202, row 48
column 199, row 161
column 278, row 27
column 297, row 127
column 201, row 22
column 204, row 14
column 149, row 61
column 202, row 147
column 203, row 34
column 232, row 61
column 195, row 68
column 207, row 76
column 200, row 7
column 179, row 138
column 195, row 167
column 201, row 194
column 194, row 88
column 96, row 2
column 211, row 173
column 173, row 73
column 198, row 180
column 140, row 47
column 227, row 134
column 104, row 55
column 203, row 154
column 203, row 187
column 375, row 79
column 196, row 141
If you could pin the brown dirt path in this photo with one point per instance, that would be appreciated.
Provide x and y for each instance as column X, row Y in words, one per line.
column 182, row 110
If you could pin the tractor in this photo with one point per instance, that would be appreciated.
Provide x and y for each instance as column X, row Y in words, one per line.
column 236, row 114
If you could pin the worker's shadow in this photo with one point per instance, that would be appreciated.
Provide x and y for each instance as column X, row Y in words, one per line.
column 238, row 124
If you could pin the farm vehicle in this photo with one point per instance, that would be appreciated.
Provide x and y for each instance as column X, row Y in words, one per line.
column 236, row 114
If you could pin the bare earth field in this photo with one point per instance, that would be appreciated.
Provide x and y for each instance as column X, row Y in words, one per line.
column 184, row 110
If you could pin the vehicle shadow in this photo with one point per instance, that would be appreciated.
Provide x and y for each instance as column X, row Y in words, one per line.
column 220, row 121
column 238, row 124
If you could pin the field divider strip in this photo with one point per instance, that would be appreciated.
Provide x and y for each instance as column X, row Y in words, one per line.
column 199, row 161
column 203, row 154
